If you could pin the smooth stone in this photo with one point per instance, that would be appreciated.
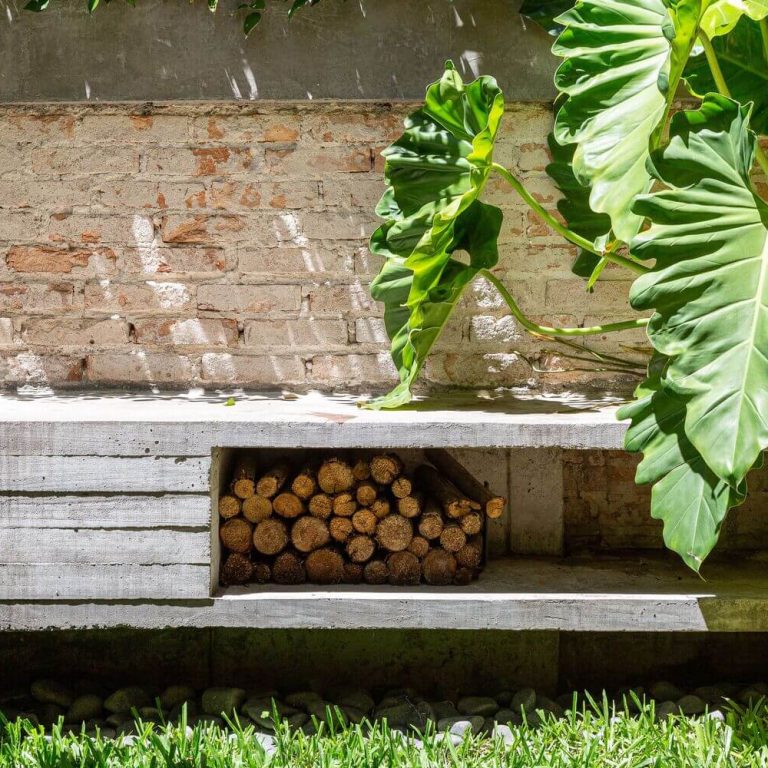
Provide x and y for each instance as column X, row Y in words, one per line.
column 150, row 713
column 507, row 716
column 565, row 700
column 126, row 728
column 504, row 698
column 309, row 728
column 691, row 705
column 297, row 720
column 108, row 733
column 393, row 701
column 353, row 714
column 443, row 709
column 402, row 716
column 761, row 688
column 524, row 699
column 665, row 691
column 261, row 709
column 115, row 719
column 426, row 710
column 667, row 708
column 191, row 707
column 716, row 714
column 266, row 741
column 542, row 702
column 503, row 732
column 304, row 700
column 85, row 707
column 358, row 699
column 325, row 711
column 460, row 725
column 749, row 696
column 218, row 700
column 51, row 692
column 127, row 739
column 126, row 699
column 711, row 694
column 483, row 706
column 447, row 736
column 176, row 695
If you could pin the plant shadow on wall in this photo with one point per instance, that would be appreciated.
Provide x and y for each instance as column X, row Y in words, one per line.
column 668, row 196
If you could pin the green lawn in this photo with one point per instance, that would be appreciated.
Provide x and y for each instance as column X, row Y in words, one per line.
column 594, row 736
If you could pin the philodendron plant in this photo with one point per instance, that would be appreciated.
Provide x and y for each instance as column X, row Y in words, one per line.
column 667, row 194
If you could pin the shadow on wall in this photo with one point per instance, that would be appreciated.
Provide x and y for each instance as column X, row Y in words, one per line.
column 371, row 49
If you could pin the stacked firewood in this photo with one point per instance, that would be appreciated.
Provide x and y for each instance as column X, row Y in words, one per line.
column 352, row 521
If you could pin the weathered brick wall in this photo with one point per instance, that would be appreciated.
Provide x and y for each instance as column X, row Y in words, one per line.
column 225, row 244
column 604, row 509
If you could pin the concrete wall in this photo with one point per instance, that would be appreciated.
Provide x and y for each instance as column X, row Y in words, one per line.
column 170, row 49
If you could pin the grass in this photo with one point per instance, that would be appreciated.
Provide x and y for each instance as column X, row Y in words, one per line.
column 595, row 735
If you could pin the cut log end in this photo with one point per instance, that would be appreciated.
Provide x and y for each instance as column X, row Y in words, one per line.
column 472, row 523
column 394, row 533
column 341, row 528
column 401, row 487
column 324, row 566
column 335, row 476
column 410, row 506
column 360, row 548
column 431, row 525
column 366, row 494
column 494, row 507
column 385, row 468
column 270, row 537
column 404, row 569
column 375, row 572
column 452, row 539
column 439, row 568
column 344, row 505
column 321, row 505
column 288, row 568
column 304, row 485
column 364, row 521
column 362, row 470
column 309, row 533
column 471, row 554
column 270, row 483
column 381, row 508
column 256, row 509
column 229, row 506
column 262, row 573
column 353, row 573
column 237, row 569
column 235, row 535
column 419, row 546
column 288, row 505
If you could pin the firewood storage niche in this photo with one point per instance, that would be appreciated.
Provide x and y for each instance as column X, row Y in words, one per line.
column 358, row 517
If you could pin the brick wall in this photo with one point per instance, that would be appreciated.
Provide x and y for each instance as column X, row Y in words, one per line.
column 225, row 244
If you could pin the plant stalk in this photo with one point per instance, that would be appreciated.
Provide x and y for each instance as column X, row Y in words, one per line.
column 552, row 222
column 544, row 330
column 722, row 85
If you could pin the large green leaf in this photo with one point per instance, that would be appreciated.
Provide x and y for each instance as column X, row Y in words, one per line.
column 744, row 62
column 722, row 15
column 545, row 13
column 709, row 283
column 574, row 206
column 687, row 495
column 622, row 63
column 435, row 171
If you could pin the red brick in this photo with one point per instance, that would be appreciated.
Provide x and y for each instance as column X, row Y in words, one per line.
column 78, row 333
column 274, row 371
column 41, row 258
column 251, row 299
column 140, row 298
column 187, row 332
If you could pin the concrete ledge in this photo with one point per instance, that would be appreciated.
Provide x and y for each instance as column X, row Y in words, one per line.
column 609, row 595
column 104, row 424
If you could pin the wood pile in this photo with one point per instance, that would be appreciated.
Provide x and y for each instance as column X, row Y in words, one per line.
column 352, row 521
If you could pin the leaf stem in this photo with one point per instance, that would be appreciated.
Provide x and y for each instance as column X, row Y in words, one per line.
column 545, row 330
column 552, row 222
column 764, row 35
column 722, row 85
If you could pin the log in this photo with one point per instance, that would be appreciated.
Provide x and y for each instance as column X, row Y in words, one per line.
column 262, row 573
column 309, row 533
column 366, row 494
column 410, row 506
column 385, row 467
column 353, row 573
column 364, row 521
column 471, row 523
column 450, row 499
column 237, row 569
column 229, row 506
column 360, row 548
column 401, row 487
column 463, row 576
column 452, row 539
column 404, row 569
column 321, row 505
column 381, row 508
column 341, row 528
column 375, row 572
column 288, row 568
column 419, row 546
column 244, row 477
column 235, row 535
column 361, row 470
column 471, row 554
column 271, row 482
column 324, row 566
column 394, row 533
column 256, row 509
column 335, row 476
column 438, row 568
column 270, row 536
column 431, row 525
column 288, row 505
column 344, row 505
column 304, row 485
column 492, row 504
